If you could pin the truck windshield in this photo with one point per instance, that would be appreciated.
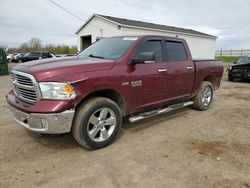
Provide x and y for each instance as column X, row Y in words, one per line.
column 109, row 48
column 244, row 60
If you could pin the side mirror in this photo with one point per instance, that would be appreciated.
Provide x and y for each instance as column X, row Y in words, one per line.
column 234, row 62
column 143, row 57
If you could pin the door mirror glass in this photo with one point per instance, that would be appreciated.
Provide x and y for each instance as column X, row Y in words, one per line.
column 143, row 57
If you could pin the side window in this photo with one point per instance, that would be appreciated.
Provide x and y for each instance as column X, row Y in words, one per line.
column 175, row 51
column 44, row 54
column 151, row 46
column 35, row 54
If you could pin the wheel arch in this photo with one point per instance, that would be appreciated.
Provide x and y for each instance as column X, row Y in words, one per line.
column 110, row 94
column 211, row 79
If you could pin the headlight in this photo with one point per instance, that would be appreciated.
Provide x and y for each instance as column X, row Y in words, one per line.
column 56, row 90
column 230, row 68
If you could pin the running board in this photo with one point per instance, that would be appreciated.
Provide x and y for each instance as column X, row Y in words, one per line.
column 160, row 111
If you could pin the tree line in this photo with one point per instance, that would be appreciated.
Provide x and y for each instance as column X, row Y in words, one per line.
column 35, row 44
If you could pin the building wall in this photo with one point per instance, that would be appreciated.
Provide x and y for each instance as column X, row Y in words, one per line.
column 200, row 47
column 97, row 28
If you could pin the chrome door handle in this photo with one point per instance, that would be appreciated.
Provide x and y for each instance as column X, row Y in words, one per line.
column 162, row 70
column 189, row 68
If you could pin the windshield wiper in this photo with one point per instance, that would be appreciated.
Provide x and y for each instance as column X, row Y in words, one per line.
column 95, row 56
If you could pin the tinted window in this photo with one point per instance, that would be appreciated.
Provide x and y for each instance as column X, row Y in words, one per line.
column 45, row 54
column 35, row 54
column 152, row 46
column 244, row 60
column 175, row 51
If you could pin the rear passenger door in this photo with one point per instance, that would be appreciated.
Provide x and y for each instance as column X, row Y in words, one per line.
column 180, row 69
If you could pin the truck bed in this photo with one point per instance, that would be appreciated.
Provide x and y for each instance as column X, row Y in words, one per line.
column 202, row 67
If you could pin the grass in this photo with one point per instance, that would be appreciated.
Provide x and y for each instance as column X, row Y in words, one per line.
column 228, row 59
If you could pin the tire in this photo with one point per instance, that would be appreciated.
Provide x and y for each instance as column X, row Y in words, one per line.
column 230, row 78
column 204, row 96
column 19, row 61
column 96, row 123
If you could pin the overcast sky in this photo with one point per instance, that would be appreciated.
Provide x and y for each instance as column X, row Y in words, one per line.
column 22, row 19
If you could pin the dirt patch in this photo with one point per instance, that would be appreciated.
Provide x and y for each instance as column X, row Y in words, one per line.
column 209, row 148
column 242, row 149
column 242, row 96
column 239, row 113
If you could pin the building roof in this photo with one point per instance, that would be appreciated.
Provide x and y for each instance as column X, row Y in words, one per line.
column 146, row 25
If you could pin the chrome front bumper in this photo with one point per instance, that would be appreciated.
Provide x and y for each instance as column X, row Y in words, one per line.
column 44, row 123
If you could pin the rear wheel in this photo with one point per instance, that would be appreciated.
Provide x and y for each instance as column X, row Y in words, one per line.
column 97, row 122
column 204, row 96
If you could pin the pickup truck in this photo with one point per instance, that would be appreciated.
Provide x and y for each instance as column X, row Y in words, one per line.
column 240, row 69
column 129, row 76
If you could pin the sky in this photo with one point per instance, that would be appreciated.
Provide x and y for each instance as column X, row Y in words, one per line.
column 21, row 20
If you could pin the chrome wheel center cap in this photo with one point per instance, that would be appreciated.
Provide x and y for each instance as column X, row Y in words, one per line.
column 101, row 124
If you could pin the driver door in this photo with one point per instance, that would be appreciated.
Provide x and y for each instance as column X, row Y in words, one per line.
column 148, row 80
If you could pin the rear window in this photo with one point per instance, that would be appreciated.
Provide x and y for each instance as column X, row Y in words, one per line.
column 175, row 51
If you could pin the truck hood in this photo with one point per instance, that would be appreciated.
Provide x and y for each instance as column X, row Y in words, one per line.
column 64, row 69
column 245, row 65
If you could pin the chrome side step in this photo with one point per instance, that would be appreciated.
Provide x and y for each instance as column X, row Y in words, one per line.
column 160, row 111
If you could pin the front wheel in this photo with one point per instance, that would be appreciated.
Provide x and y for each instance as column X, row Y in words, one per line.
column 230, row 78
column 204, row 96
column 97, row 122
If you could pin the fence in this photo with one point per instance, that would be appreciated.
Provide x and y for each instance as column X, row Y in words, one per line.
column 242, row 52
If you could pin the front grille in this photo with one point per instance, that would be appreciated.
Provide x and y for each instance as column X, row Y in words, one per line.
column 25, row 86
column 237, row 70
column 24, row 80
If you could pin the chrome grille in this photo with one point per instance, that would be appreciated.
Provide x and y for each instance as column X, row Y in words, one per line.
column 25, row 86
column 24, row 80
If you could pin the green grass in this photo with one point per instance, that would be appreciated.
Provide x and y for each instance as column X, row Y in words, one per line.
column 228, row 59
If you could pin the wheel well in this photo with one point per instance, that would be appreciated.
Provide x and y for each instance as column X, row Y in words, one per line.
column 110, row 94
column 211, row 79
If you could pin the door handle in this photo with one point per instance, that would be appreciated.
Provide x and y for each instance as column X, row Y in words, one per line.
column 189, row 68
column 162, row 70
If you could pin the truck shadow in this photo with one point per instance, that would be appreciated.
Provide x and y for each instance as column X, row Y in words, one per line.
column 67, row 142
column 55, row 141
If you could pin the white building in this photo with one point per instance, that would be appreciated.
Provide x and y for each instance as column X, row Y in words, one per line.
column 201, row 44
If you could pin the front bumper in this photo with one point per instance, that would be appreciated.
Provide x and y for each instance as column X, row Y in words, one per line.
column 55, row 123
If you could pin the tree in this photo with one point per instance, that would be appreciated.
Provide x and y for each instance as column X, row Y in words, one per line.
column 35, row 44
column 24, row 47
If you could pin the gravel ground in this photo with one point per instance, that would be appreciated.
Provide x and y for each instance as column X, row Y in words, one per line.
column 185, row 148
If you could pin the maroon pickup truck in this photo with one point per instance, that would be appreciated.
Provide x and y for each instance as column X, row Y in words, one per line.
column 88, row 95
